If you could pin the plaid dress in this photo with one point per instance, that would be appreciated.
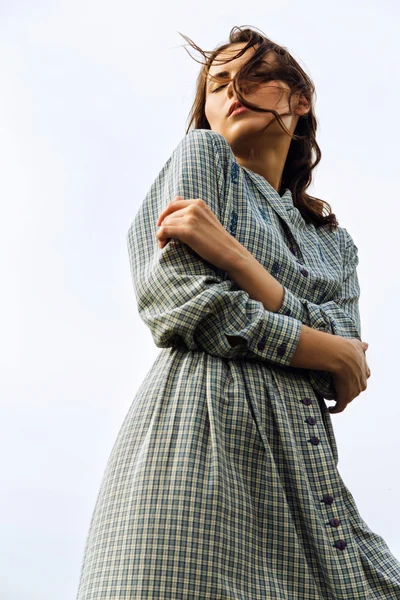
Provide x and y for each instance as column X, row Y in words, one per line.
column 223, row 482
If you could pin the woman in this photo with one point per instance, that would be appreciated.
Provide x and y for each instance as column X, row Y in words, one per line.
column 223, row 480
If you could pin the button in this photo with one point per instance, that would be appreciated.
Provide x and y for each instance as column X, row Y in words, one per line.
column 281, row 349
column 341, row 544
column 314, row 440
column 334, row 522
column 304, row 272
column 311, row 420
column 287, row 311
column 261, row 343
column 327, row 499
column 306, row 401
column 275, row 268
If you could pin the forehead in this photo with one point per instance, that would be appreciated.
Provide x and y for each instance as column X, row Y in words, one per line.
column 228, row 53
column 219, row 64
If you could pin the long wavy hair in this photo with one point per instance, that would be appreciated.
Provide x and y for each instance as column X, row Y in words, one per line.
column 297, row 172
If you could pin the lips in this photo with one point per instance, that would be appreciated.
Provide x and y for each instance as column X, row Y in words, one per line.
column 238, row 111
column 233, row 107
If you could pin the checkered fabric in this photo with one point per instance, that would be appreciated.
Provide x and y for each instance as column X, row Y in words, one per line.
column 223, row 481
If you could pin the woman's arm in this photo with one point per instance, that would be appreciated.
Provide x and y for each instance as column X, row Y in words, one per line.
column 338, row 317
column 184, row 300
column 252, row 277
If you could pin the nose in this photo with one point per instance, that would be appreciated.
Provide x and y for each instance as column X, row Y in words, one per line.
column 230, row 89
column 231, row 92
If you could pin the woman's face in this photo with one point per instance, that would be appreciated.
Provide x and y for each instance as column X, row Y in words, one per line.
column 242, row 128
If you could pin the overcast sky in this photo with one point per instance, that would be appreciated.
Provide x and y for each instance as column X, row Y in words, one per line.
column 94, row 98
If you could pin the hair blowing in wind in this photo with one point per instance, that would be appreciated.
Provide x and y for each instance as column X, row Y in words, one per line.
column 304, row 153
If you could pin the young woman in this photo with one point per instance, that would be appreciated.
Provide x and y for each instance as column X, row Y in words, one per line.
column 223, row 481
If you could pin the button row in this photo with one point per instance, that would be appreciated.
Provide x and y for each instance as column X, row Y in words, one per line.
column 280, row 350
column 327, row 498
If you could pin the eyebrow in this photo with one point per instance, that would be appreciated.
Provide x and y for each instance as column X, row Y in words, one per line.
column 220, row 74
column 224, row 74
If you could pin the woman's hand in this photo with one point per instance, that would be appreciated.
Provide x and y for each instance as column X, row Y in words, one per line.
column 350, row 378
column 193, row 222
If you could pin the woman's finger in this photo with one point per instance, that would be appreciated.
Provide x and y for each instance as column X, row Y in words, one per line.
column 178, row 214
column 168, row 209
column 177, row 203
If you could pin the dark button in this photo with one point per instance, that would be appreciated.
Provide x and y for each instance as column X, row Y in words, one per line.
column 327, row 499
column 293, row 250
column 304, row 272
column 287, row 311
column 314, row 440
column 275, row 268
column 261, row 343
column 306, row 401
column 334, row 522
column 341, row 544
column 311, row 420
column 281, row 349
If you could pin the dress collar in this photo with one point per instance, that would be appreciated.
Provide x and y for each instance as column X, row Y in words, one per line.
column 282, row 205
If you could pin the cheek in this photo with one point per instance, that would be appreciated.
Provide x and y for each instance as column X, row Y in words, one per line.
column 275, row 95
column 211, row 111
column 265, row 96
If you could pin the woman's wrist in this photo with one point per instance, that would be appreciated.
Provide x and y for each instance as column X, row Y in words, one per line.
column 318, row 350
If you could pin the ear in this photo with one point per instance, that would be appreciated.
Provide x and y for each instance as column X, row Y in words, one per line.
column 303, row 106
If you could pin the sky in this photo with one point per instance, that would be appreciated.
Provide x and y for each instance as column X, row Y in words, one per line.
column 94, row 98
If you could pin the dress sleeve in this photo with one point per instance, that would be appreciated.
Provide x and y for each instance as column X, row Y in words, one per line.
column 182, row 298
column 339, row 316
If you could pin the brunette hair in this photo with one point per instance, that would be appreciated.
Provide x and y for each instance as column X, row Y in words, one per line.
column 299, row 163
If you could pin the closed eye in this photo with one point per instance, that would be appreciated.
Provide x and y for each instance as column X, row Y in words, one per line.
column 218, row 88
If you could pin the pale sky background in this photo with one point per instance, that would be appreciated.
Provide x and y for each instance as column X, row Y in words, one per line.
column 94, row 98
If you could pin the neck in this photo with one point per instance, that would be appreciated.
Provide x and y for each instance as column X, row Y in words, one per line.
column 267, row 160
